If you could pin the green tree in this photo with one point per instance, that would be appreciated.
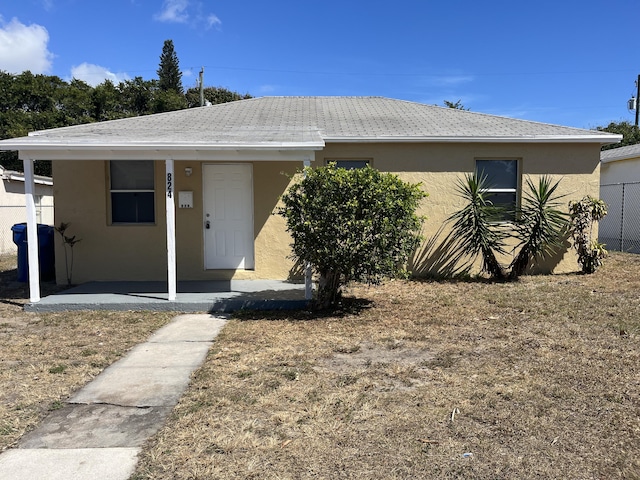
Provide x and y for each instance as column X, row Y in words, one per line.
column 169, row 74
column 106, row 102
column 137, row 96
column 352, row 225
column 76, row 103
column 167, row 101
column 214, row 95
column 630, row 133
column 455, row 105
column 31, row 102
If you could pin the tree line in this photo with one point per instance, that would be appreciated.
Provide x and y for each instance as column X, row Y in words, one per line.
column 31, row 102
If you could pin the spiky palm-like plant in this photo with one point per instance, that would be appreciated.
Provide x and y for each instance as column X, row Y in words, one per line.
column 475, row 226
column 540, row 225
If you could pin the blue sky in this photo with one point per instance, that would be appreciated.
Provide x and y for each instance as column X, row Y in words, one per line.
column 568, row 62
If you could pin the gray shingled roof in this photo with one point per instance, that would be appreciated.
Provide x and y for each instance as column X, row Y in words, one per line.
column 305, row 122
column 621, row 153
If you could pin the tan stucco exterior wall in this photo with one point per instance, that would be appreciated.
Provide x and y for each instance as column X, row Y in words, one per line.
column 138, row 252
column 439, row 166
column 130, row 252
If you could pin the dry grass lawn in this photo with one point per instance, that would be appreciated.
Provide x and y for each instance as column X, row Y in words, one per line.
column 45, row 358
column 422, row 380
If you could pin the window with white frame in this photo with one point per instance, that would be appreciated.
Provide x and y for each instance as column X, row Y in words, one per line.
column 132, row 191
column 502, row 179
column 350, row 164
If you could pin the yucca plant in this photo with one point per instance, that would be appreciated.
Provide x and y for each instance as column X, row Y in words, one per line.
column 539, row 226
column 475, row 227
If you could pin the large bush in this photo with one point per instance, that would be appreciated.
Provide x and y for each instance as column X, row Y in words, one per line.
column 352, row 225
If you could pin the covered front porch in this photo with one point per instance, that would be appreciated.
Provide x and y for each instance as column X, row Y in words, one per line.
column 159, row 295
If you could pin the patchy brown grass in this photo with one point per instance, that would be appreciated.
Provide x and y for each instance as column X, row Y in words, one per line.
column 534, row 379
column 45, row 358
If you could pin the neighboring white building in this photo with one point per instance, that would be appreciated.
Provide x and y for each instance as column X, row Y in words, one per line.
column 13, row 208
column 620, row 190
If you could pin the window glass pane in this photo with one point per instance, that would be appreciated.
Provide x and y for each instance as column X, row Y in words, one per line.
column 507, row 201
column 500, row 173
column 132, row 207
column 351, row 164
column 502, row 199
column 131, row 175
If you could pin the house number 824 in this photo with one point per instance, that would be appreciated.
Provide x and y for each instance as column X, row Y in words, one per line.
column 169, row 185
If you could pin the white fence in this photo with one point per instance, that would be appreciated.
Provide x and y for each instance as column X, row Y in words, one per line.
column 12, row 214
column 620, row 228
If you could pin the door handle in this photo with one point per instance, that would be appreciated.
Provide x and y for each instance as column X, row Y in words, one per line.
column 207, row 224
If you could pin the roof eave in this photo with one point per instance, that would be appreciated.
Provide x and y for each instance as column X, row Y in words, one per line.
column 619, row 158
column 13, row 176
column 599, row 139
column 287, row 151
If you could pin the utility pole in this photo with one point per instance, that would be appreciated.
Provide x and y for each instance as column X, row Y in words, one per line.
column 202, row 90
column 637, row 98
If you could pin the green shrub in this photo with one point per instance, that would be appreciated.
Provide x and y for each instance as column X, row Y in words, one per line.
column 352, row 225
column 584, row 214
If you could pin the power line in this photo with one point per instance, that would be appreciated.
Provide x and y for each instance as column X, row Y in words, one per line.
column 395, row 74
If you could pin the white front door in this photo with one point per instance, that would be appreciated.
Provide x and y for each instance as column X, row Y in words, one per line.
column 228, row 216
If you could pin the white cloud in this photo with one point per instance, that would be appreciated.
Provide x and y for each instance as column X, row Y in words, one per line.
column 95, row 74
column 173, row 11
column 448, row 80
column 24, row 47
column 187, row 12
column 213, row 21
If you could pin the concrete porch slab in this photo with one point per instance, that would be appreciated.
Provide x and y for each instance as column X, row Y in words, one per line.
column 197, row 296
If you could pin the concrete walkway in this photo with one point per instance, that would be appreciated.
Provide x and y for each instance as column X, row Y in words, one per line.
column 99, row 432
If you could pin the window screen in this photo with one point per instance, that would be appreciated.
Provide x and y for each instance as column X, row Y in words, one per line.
column 132, row 191
column 502, row 179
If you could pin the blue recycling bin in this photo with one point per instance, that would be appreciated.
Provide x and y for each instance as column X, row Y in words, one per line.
column 46, row 256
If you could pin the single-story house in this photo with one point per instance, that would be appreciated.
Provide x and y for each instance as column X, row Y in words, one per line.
column 191, row 194
column 620, row 190
column 12, row 205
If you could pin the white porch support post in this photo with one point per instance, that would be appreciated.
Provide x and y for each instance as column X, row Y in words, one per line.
column 171, row 229
column 32, row 232
column 308, row 274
